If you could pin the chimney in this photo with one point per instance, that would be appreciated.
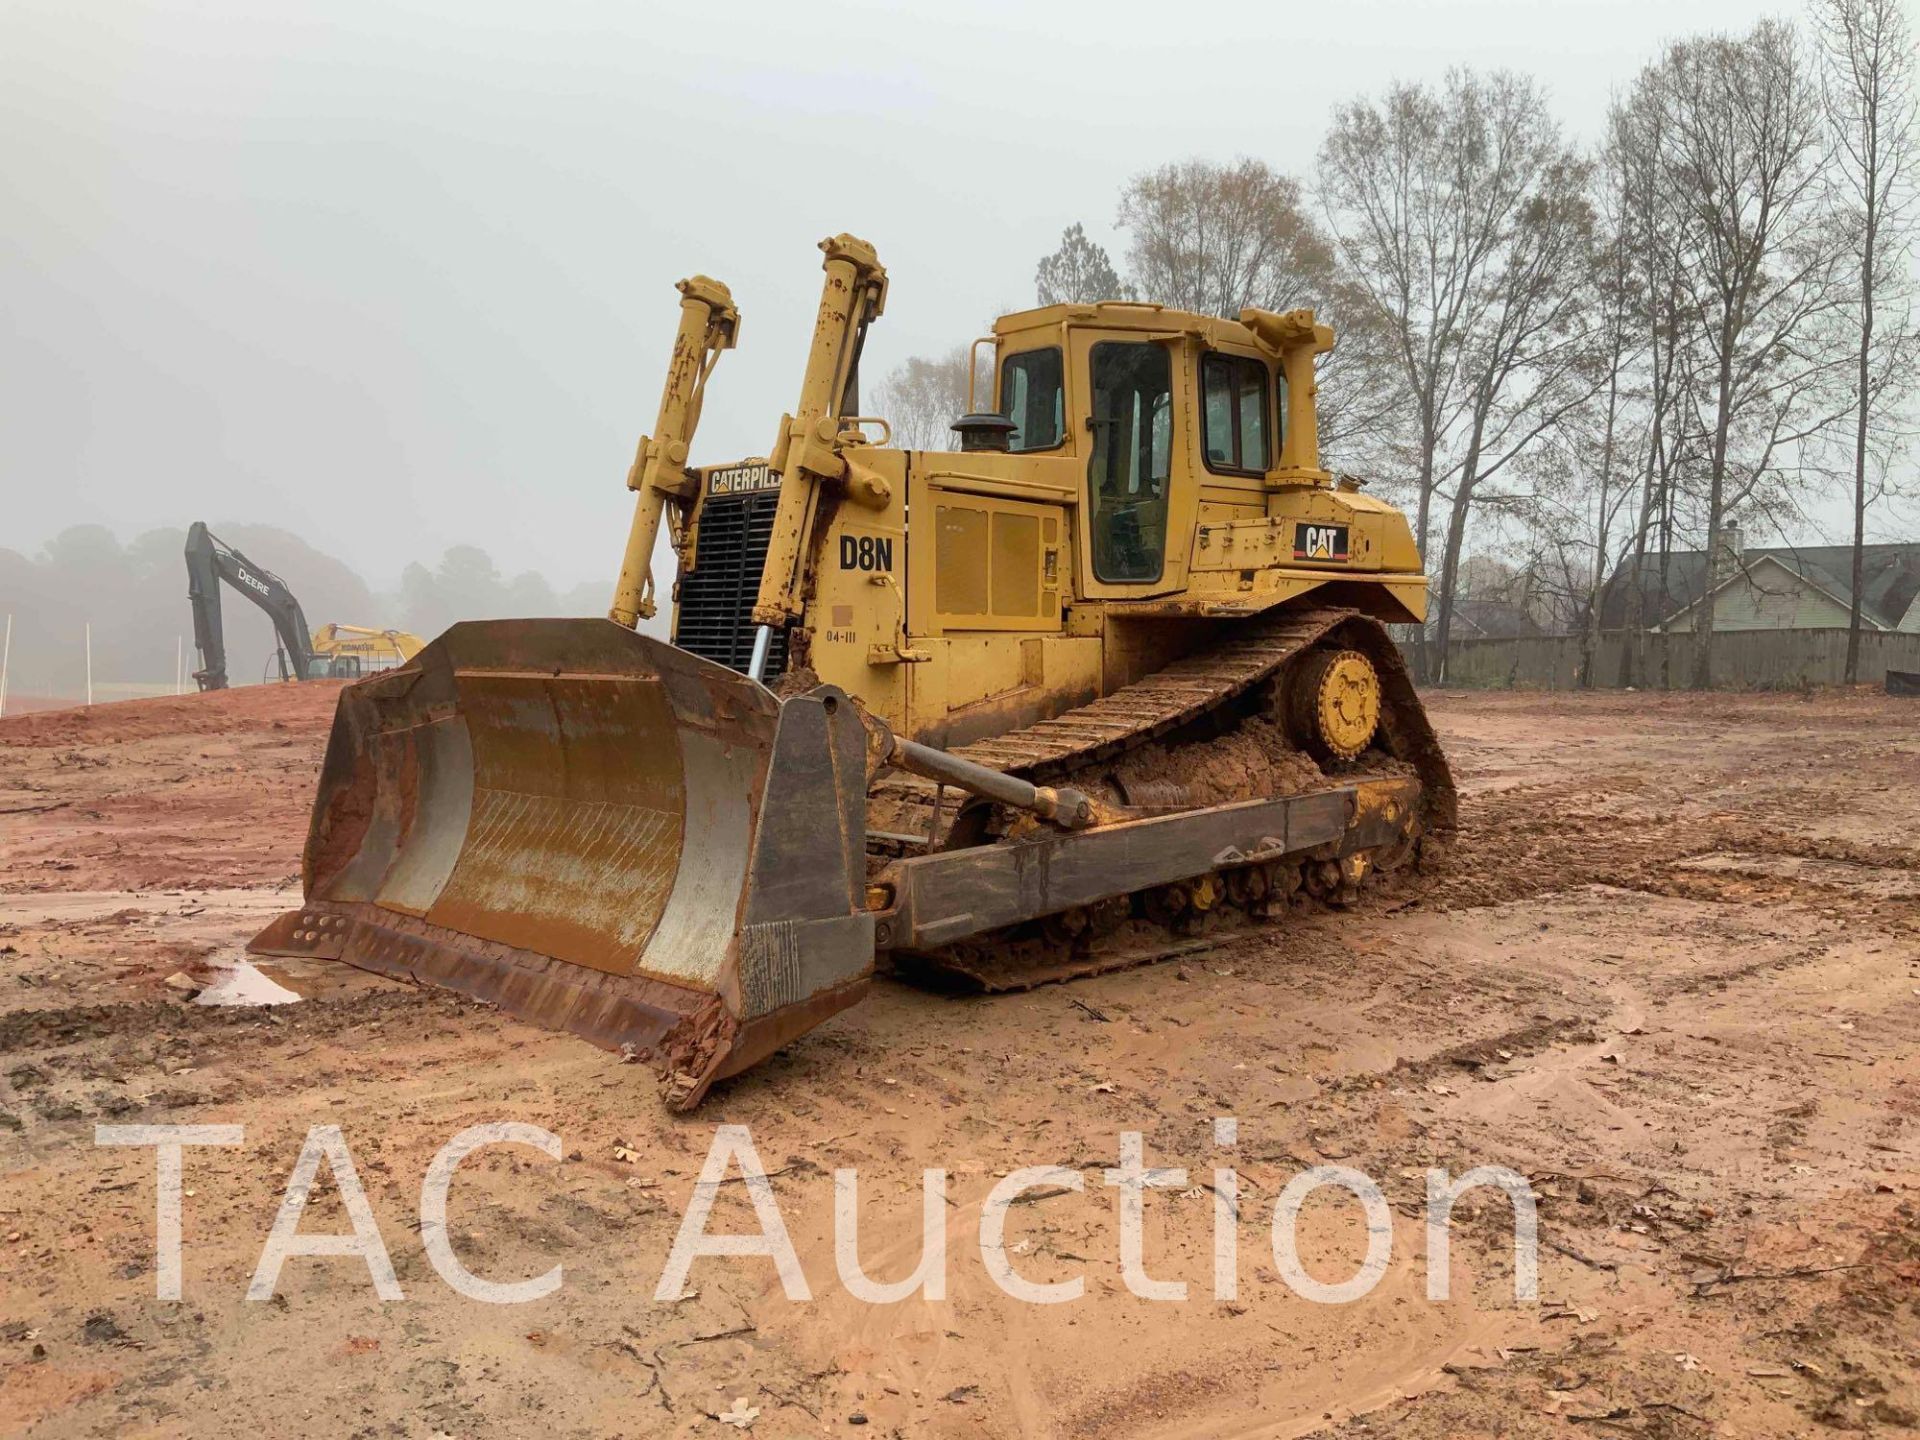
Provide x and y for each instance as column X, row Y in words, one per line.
column 1731, row 556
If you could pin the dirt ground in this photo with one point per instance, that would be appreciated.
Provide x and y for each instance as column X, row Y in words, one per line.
column 1670, row 972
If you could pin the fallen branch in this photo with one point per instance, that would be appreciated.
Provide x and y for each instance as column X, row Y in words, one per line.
column 1573, row 1254
column 1612, row 1419
column 744, row 1179
column 1702, row 1287
column 1034, row 1197
column 738, row 1330
column 793, row 1400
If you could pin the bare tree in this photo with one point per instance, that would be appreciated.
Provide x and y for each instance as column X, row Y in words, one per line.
column 1362, row 400
column 924, row 395
column 1077, row 273
column 1745, row 154
column 1461, row 215
column 1621, row 344
column 1650, row 220
column 1217, row 238
column 1867, row 50
column 1404, row 254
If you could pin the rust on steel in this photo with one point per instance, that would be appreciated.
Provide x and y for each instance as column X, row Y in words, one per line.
column 599, row 833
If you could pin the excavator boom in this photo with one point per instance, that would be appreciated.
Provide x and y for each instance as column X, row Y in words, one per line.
column 210, row 562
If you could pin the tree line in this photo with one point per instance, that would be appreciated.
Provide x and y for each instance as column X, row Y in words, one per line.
column 1581, row 356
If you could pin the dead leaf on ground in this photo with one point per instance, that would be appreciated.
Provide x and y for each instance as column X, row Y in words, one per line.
column 741, row 1416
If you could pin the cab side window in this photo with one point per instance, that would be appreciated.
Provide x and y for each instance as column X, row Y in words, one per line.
column 1033, row 396
column 1279, row 413
column 1132, row 450
column 1234, row 414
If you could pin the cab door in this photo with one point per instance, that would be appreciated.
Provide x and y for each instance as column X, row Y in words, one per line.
column 1138, row 505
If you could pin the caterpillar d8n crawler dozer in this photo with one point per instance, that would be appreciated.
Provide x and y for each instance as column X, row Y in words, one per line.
column 1110, row 675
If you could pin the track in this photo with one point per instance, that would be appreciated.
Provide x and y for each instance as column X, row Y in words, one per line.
column 1171, row 699
column 1170, row 727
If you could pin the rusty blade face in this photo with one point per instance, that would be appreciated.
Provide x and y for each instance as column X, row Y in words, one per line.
column 600, row 833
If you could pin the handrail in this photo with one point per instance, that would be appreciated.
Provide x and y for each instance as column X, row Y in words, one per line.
column 973, row 366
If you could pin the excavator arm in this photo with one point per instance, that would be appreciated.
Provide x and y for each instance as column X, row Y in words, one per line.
column 210, row 561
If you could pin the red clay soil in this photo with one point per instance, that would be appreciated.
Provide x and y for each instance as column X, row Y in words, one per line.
column 1670, row 973
column 195, row 790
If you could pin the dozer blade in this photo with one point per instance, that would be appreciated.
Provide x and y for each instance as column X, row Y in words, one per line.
column 599, row 833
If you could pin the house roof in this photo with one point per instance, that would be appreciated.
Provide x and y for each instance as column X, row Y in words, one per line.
column 1485, row 617
column 1672, row 583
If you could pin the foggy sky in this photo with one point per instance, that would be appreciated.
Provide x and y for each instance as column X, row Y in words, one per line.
column 396, row 276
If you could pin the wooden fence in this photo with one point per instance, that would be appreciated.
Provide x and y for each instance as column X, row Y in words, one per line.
column 1742, row 660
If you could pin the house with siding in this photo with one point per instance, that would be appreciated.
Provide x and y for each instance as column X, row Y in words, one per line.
column 1776, row 587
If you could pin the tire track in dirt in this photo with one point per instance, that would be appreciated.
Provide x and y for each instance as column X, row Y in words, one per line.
column 1638, row 981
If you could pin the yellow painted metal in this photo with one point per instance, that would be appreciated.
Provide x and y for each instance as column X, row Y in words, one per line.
column 1296, row 339
column 857, row 619
column 994, row 564
column 372, row 647
column 618, row 837
column 999, row 551
column 809, row 450
column 1340, row 692
column 709, row 323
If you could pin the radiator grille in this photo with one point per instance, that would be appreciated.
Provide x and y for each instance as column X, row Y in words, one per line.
column 717, row 595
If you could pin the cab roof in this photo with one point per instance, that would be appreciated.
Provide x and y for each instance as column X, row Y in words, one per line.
column 1127, row 315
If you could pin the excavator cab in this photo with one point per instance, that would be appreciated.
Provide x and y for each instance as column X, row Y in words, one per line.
column 964, row 708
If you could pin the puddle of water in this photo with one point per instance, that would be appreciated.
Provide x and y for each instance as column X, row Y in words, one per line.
column 246, row 984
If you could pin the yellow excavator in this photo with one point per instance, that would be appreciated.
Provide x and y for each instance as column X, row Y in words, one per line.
column 360, row 649
column 1107, row 678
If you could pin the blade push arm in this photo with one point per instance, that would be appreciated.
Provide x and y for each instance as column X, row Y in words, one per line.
column 709, row 323
column 808, row 448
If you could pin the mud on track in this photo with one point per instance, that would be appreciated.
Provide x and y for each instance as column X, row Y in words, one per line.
column 1671, row 972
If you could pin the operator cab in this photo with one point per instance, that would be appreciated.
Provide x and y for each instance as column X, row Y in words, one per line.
column 1098, row 382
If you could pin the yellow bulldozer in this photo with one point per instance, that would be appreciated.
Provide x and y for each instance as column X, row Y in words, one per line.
column 1106, row 678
